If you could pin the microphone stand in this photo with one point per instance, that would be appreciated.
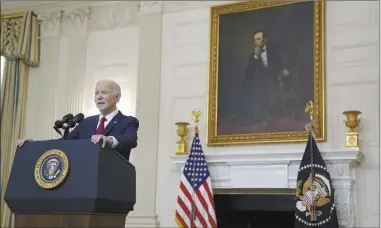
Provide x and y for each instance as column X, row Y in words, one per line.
column 66, row 132
column 66, row 127
column 58, row 131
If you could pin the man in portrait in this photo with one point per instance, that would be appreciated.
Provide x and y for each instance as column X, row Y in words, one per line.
column 261, row 82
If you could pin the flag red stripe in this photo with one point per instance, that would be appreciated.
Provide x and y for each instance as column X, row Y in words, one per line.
column 211, row 201
column 206, row 208
column 210, row 195
column 184, row 207
column 201, row 218
column 185, row 191
column 180, row 220
column 202, row 201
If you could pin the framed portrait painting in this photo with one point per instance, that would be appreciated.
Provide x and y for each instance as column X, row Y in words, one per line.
column 267, row 60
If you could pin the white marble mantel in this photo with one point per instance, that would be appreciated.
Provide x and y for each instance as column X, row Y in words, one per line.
column 278, row 170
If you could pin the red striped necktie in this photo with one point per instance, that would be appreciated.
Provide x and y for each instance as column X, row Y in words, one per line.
column 101, row 126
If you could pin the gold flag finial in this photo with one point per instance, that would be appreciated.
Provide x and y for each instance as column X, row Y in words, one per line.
column 195, row 117
column 310, row 109
column 310, row 126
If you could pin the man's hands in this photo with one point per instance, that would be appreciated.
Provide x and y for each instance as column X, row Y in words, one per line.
column 21, row 142
column 257, row 52
column 105, row 140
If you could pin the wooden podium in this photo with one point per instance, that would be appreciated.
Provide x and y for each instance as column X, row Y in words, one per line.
column 70, row 184
column 58, row 220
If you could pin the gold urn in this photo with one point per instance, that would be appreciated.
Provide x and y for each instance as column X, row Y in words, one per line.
column 352, row 122
column 182, row 144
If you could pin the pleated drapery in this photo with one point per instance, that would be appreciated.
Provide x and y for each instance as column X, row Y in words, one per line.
column 20, row 46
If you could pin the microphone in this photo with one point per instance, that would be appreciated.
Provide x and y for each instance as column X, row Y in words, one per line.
column 65, row 119
column 70, row 123
column 77, row 119
column 60, row 123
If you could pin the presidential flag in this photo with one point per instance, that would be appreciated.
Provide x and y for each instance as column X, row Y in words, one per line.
column 315, row 206
column 195, row 203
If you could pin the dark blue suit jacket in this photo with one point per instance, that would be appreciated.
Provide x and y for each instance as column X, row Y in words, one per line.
column 123, row 128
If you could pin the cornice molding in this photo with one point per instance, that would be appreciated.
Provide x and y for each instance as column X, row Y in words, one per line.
column 11, row 7
column 175, row 6
column 147, row 7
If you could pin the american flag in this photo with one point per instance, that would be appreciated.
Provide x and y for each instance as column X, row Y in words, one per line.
column 195, row 204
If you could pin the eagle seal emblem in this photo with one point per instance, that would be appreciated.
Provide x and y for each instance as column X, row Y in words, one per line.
column 52, row 169
column 315, row 192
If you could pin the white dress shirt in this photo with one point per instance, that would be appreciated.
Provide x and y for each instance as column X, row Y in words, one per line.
column 109, row 117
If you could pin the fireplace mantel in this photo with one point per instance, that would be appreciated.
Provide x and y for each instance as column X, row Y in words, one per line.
column 278, row 170
column 285, row 157
column 275, row 169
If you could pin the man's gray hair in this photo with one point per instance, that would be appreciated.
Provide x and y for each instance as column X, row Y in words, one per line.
column 114, row 86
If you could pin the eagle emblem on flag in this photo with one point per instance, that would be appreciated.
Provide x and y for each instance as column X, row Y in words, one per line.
column 315, row 192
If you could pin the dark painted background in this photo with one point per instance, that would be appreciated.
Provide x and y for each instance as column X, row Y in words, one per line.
column 289, row 26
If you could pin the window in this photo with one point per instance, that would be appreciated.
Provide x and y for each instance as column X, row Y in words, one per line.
column 2, row 69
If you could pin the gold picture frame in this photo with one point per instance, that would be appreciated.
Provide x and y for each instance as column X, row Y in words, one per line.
column 220, row 66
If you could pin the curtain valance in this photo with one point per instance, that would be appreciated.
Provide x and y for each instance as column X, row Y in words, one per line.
column 20, row 39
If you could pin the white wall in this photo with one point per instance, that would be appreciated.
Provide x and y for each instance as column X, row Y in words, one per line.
column 79, row 47
column 352, row 83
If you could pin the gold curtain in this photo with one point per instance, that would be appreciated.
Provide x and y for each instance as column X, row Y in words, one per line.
column 20, row 46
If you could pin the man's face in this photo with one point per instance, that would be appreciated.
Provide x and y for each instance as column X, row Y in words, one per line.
column 258, row 39
column 105, row 98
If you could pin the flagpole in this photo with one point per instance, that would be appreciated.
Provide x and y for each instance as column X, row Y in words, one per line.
column 310, row 128
column 195, row 117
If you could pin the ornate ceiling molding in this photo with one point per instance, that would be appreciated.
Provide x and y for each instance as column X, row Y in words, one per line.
column 147, row 7
column 173, row 6
column 79, row 14
column 50, row 23
column 10, row 6
column 75, row 21
column 113, row 16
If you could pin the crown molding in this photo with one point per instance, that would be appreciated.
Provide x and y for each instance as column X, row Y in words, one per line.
column 12, row 7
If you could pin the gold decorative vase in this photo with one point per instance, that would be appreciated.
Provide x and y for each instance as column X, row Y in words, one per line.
column 182, row 144
column 352, row 122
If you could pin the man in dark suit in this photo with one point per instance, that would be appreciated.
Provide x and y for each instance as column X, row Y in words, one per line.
column 260, row 85
column 110, row 127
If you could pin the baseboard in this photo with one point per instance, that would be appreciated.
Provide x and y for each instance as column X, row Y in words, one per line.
column 141, row 221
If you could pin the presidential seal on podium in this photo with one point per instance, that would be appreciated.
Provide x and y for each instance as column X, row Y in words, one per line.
column 52, row 169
